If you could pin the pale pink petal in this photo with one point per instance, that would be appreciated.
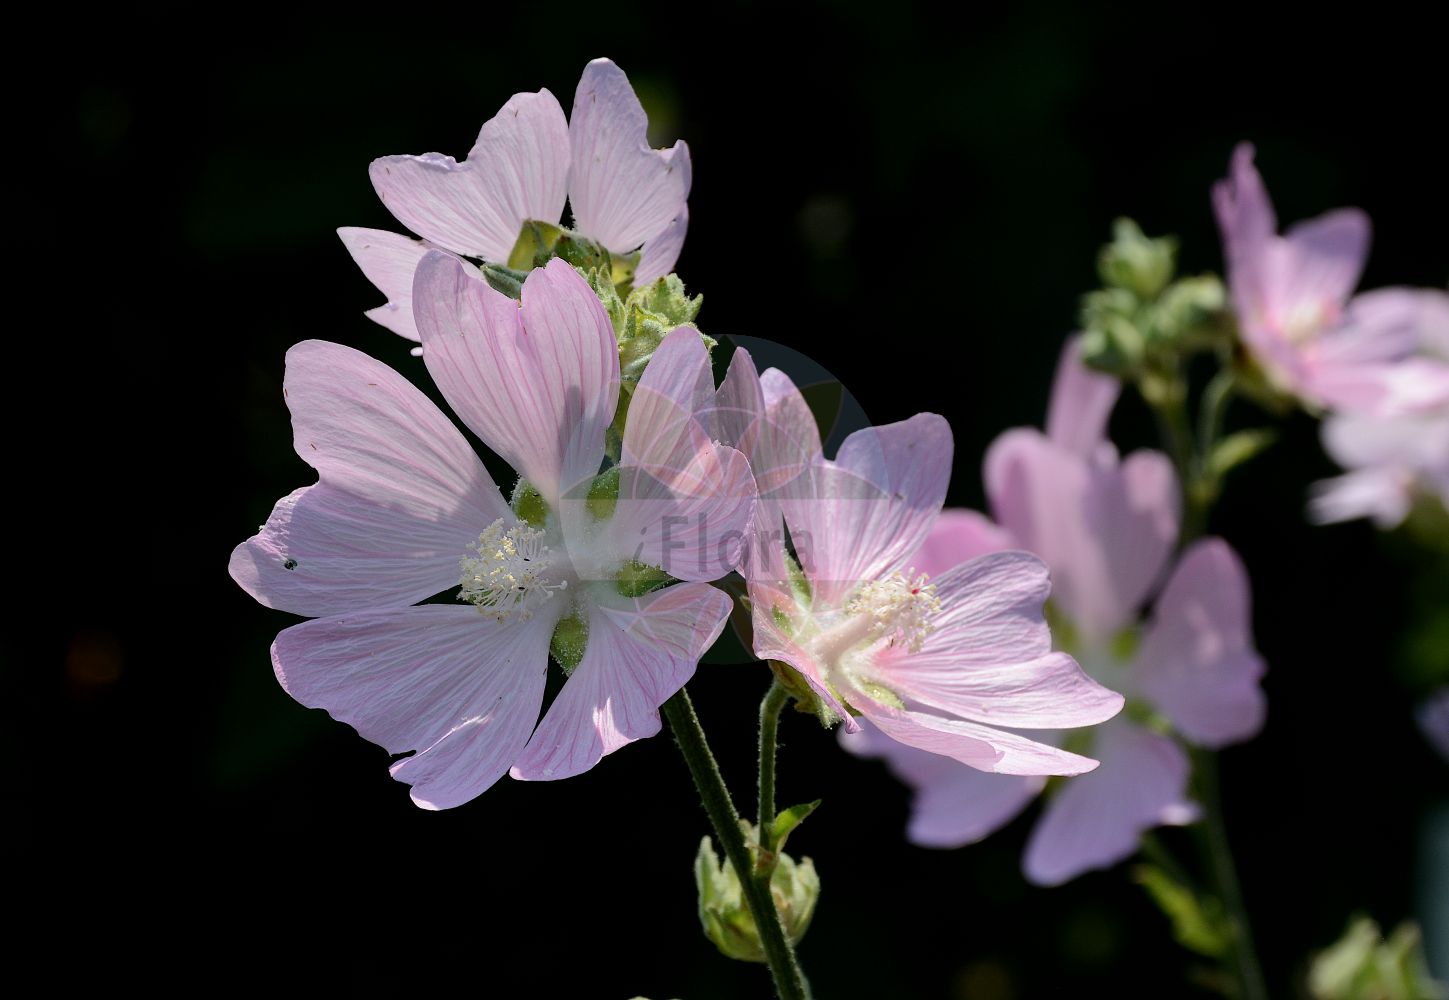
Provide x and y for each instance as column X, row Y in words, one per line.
column 1384, row 389
column 1387, row 324
column 692, row 522
column 389, row 261
column 1318, row 263
column 1081, row 402
column 1433, row 718
column 953, row 804
column 769, row 422
column 636, row 658
column 768, row 602
column 1104, row 528
column 675, row 394
column 981, row 747
column 1244, row 211
column 661, row 252
column 869, row 511
column 1097, row 819
column 537, row 380
column 622, row 192
column 989, row 657
column 401, row 494
column 957, row 536
column 1383, row 493
column 1197, row 663
column 516, row 171
column 457, row 687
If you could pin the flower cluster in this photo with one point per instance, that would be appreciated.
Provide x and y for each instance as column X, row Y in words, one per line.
column 1107, row 527
column 639, row 483
column 1376, row 363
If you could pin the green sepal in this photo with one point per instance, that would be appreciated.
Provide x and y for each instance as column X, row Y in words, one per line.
column 570, row 637
column 787, row 820
column 528, row 504
column 1198, row 925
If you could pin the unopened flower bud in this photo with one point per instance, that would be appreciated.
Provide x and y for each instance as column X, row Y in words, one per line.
column 726, row 917
column 1136, row 263
column 1361, row 965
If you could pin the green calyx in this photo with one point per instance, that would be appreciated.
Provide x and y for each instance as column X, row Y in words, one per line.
column 570, row 637
column 635, row 579
column 723, row 913
column 1144, row 319
column 528, row 504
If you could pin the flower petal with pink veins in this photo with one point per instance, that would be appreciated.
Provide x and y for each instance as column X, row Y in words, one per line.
column 867, row 512
column 676, row 392
column 1081, row 402
column 661, row 252
column 1196, row 663
column 389, row 262
column 517, row 170
column 637, row 656
column 1389, row 324
column 956, row 537
column 1383, row 493
column 1104, row 528
column 537, row 380
column 1317, row 263
column 457, row 687
column 1097, row 819
column 953, row 805
column 621, row 190
column 768, row 421
column 401, row 493
column 989, row 657
column 981, row 747
column 1244, row 211
column 692, row 522
column 771, row 642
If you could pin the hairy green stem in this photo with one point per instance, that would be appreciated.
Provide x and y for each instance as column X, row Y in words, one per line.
column 790, row 981
column 775, row 701
column 1225, row 874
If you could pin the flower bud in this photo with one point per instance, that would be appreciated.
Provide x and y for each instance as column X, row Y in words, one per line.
column 726, row 917
column 1361, row 965
column 1136, row 263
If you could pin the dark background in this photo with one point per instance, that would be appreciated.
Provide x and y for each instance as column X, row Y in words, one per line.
column 916, row 203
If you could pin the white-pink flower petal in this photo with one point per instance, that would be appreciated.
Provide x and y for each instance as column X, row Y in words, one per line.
column 389, row 262
column 517, row 170
column 1081, row 402
column 621, row 190
column 981, row 747
column 537, row 380
column 867, row 512
column 1098, row 819
column 401, row 493
column 660, row 253
column 989, row 657
column 1197, row 663
column 460, row 689
column 953, row 805
column 637, row 657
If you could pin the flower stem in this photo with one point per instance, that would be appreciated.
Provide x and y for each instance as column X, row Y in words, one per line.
column 790, row 981
column 1225, row 874
column 775, row 701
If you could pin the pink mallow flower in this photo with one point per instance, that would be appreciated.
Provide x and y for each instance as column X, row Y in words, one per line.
column 1106, row 527
column 404, row 510
column 1394, row 458
column 949, row 664
column 1292, row 294
column 527, row 162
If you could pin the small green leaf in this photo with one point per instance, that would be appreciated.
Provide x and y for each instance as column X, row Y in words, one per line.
column 786, row 821
column 1235, row 449
column 1198, row 925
